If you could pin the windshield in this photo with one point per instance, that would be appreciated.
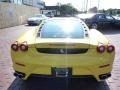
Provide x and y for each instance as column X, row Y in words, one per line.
column 62, row 29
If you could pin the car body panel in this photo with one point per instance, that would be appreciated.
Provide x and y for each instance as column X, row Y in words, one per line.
column 96, row 18
column 36, row 20
column 117, row 20
column 34, row 62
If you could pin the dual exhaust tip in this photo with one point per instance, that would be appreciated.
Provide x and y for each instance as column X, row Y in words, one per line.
column 19, row 74
column 104, row 76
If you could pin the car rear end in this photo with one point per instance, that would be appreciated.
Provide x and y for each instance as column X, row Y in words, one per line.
column 62, row 57
column 88, row 18
column 36, row 20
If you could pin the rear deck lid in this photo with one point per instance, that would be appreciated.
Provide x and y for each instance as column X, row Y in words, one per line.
column 62, row 43
column 59, row 46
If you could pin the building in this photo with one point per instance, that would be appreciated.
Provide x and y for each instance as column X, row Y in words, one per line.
column 4, row 0
column 51, row 11
column 13, row 1
column 35, row 3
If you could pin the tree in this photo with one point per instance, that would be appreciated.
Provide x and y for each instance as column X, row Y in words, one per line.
column 102, row 11
column 93, row 10
column 67, row 9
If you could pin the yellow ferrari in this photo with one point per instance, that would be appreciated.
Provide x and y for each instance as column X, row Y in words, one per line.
column 63, row 47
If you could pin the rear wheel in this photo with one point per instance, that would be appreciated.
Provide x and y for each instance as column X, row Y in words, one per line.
column 18, row 84
column 94, row 26
column 30, row 24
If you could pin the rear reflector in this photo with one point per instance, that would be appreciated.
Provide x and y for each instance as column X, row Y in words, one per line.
column 20, row 64
column 104, row 66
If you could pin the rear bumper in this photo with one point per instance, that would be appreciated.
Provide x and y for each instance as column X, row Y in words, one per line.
column 73, row 72
column 39, row 63
column 101, row 77
column 33, row 22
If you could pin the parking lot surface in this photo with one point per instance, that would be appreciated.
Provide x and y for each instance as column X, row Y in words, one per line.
column 9, row 82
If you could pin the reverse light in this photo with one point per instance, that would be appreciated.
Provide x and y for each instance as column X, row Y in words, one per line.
column 24, row 46
column 100, row 48
column 110, row 48
column 15, row 46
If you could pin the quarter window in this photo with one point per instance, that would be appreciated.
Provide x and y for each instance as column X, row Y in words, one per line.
column 101, row 17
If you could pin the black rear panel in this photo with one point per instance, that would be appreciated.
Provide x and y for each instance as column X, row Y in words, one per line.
column 62, row 50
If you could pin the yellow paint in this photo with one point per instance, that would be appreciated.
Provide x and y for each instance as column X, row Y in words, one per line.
column 81, row 64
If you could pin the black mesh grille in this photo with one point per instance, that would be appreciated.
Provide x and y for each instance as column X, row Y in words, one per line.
column 62, row 50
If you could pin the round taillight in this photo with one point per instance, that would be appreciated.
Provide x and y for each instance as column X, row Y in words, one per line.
column 110, row 48
column 15, row 47
column 24, row 47
column 101, row 48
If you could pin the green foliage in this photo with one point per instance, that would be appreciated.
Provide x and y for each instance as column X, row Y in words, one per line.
column 67, row 9
column 110, row 11
column 93, row 10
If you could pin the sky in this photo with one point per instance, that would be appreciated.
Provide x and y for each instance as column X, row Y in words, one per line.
column 79, row 4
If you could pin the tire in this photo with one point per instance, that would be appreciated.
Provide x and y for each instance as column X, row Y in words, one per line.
column 94, row 26
column 18, row 84
column 29, row 24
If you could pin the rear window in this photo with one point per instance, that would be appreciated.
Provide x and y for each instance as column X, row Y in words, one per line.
column 62, row 29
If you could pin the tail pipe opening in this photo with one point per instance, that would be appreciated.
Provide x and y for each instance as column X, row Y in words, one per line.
column 104, row 76
column 19, row 74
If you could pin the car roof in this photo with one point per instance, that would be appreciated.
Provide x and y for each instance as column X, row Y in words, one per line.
column 87, row 15
column 39, row 14
column 64, row 18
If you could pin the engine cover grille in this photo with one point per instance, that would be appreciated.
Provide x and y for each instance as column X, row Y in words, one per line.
column 62, row 50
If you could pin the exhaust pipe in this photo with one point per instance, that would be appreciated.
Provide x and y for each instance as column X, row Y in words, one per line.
column 16, row 74
column 104, row 76
column 19, row 74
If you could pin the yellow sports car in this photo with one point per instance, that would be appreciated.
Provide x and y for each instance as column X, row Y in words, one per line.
column 63, row 47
